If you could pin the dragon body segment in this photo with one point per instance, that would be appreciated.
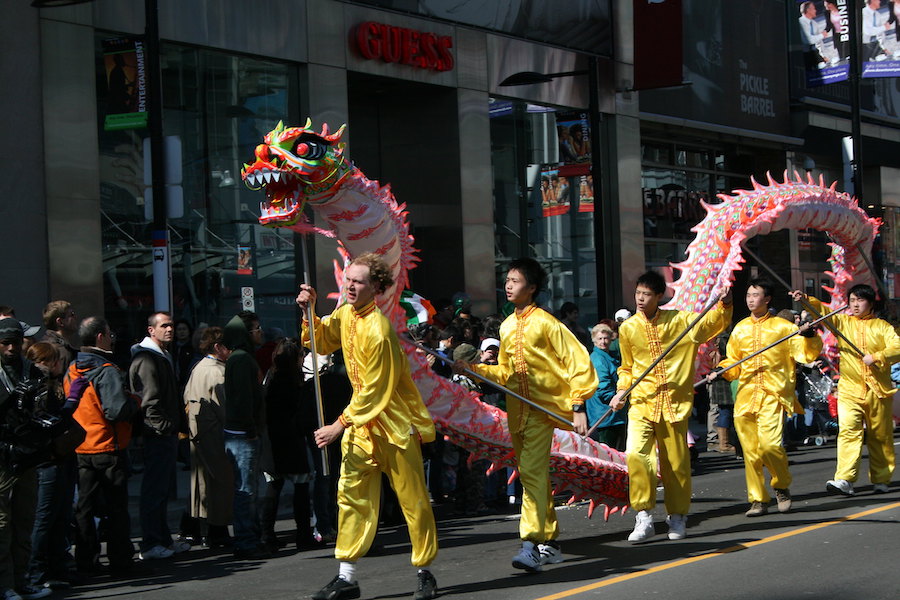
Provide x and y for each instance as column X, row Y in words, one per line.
column 298, row 166
column 715, row 254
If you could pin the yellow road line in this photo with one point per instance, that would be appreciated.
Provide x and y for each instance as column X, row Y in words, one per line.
column 730, row 549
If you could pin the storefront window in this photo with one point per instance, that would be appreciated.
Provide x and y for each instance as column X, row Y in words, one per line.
column 218, row 107
column 544, row 199
column 676, row 179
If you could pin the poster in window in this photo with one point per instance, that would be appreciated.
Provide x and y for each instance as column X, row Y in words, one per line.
column 245, row 260
column 880, row 38
column 573, row 131
column 586, row 193
column 825, row 38
column 555, row 193
column 126, row 90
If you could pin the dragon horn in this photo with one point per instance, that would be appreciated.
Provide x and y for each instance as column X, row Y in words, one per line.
column 821, row 180
column 591, row 508
column 308, row 123
column 336, row 135
column 756, row 186
column 324, row 133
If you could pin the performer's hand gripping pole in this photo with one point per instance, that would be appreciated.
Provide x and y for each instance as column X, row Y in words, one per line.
column 772, row 345
column 503, row 389
column 806, row 304
column 317, row 386
column 662, row 355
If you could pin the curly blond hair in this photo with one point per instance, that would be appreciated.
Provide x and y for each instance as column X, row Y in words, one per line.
column 379, row 271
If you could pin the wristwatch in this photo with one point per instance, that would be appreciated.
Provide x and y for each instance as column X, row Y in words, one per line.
column 578, row 408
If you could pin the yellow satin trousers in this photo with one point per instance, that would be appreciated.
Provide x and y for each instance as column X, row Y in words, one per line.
column 760, row 434
column 359, row 497
column 538, row 522
column 876, row 414
column 674, row 464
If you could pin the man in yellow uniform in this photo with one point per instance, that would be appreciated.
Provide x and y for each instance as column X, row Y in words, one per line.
column 765, row 395
column 864, row 392
column 661, row 403
column 381, row 428
column 543, row 361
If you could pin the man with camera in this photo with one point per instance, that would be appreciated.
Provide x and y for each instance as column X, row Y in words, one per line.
column 18, row 482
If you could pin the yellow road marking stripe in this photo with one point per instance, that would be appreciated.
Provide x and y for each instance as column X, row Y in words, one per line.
column 730, row 549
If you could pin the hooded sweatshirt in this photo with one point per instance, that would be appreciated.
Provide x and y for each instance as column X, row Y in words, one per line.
column 243, row 392
column 152, row 377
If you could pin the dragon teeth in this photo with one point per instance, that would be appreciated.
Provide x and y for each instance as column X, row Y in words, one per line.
column 276, row 176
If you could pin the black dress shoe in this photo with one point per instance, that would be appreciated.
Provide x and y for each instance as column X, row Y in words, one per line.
column 338, row 589
column 427, row 588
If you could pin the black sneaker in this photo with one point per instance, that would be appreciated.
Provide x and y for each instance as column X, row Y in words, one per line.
column 427, row 588
column 338, row 589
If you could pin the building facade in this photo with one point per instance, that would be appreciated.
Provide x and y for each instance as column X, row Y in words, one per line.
column 488, row 172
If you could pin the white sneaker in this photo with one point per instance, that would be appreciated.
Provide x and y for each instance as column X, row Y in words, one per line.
column 156, row 552
column 643, row 528
column 880, row 488
column 677, row 526
column 528, row 558
column 179, row 546
column 841, row 486
column 551, row 553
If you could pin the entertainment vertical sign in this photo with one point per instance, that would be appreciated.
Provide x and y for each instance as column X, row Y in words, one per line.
column 126, row 84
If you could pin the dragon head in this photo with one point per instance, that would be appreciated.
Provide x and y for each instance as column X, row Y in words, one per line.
column 293, row 164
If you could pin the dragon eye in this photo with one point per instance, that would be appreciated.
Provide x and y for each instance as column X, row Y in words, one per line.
column 310, row 149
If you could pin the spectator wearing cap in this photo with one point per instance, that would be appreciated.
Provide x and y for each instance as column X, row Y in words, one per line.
column 31, row 335
column 490, row 349
column 18, row 491
column 622, row 315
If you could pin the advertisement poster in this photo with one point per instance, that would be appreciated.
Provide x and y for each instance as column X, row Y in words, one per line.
column 555, row 193
column 586, row 193
column 245, row 261
column 573, row 131
column 126, row 97
column 825, row 36
column 880, row 38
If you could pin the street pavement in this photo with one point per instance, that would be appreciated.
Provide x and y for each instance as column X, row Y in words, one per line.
column 827, row 547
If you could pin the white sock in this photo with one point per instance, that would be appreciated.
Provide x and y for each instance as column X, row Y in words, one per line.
column 347, row 571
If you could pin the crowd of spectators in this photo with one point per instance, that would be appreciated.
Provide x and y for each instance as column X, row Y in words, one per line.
column 240, row 410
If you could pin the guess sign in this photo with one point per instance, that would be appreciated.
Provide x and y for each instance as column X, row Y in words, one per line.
column 400, row 45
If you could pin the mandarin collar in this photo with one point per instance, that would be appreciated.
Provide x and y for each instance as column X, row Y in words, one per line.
column 762, row 318
column 365, row 310
column 654, row 318
column 525, row 313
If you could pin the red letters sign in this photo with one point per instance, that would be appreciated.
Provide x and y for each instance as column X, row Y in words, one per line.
column 404, row 46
